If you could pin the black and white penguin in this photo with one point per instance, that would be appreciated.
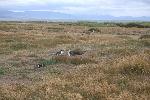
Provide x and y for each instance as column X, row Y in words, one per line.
column 61, row 52
column 40, row 65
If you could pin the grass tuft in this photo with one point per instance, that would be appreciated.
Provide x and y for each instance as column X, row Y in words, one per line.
column 134, row 65
column 73, row 60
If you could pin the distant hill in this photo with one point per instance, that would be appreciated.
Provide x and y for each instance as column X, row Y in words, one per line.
column 47, row 15
column 33, row 15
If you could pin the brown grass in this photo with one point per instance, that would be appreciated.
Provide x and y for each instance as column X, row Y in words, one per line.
column 73, row 60
column 144, row 37
column 116, row 65
column 135, row 64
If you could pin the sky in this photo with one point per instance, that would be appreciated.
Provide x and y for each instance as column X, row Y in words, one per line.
column 134, row 8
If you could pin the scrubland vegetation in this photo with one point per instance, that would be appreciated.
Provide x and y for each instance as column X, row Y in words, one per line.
column 115, row 66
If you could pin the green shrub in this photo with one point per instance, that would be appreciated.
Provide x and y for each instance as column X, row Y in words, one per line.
column 2, row 72
column 132, row 24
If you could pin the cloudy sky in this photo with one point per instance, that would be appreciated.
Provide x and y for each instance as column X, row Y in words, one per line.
column 135, row 8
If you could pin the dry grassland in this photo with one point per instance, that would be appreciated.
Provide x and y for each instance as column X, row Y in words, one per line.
column 115, row 66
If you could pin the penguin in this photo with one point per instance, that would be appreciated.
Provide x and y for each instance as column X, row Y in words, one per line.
column 40, row 65
column 61, row 52
column 75, row 52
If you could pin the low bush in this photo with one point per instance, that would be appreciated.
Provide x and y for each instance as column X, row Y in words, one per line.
column 2, row 72
column 128, row 25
